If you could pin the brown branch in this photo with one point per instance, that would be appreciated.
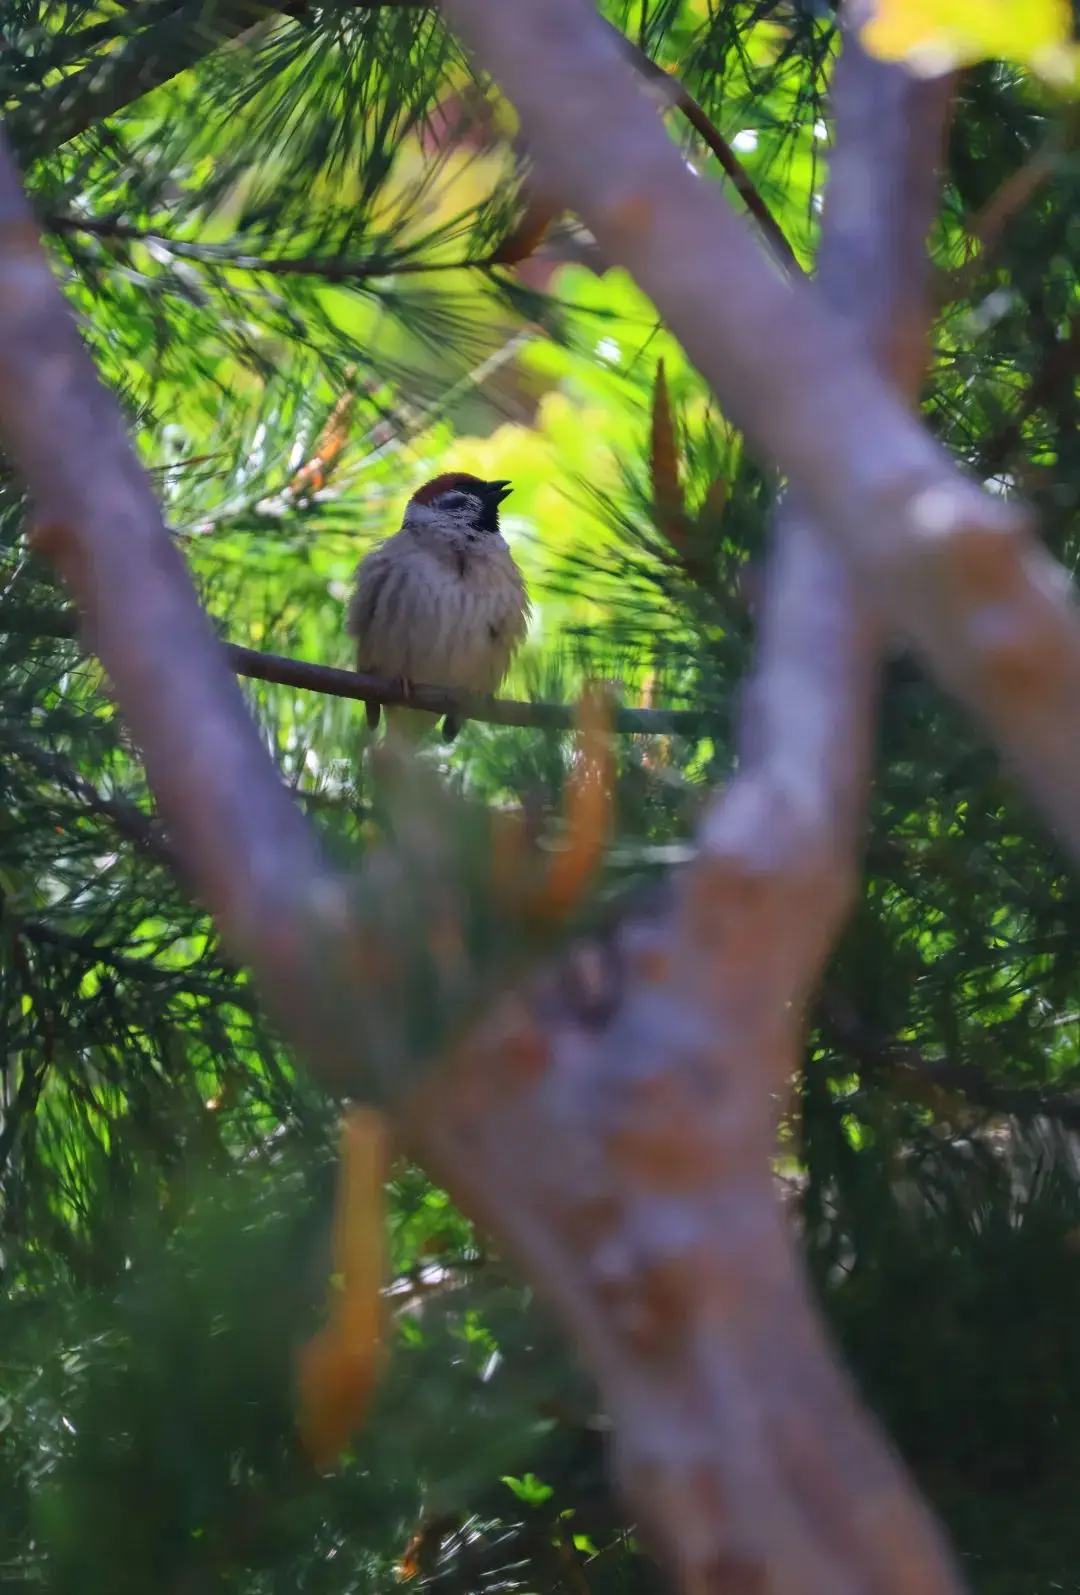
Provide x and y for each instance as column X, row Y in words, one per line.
column 1057, row 369
column 437, row 700
column 679, row 98
column 307, row 677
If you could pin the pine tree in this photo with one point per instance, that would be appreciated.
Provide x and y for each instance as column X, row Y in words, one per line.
column 261, row 221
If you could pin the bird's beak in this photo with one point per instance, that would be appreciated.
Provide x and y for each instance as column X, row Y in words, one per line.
column 497, row 491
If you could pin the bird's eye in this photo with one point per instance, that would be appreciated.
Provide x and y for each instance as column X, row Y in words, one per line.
column 453, row 500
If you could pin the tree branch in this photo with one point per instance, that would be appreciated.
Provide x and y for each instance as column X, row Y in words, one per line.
column 300, row 673
column 679, row 98
column 437, row 700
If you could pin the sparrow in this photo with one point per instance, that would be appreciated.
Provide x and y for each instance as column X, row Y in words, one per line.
column 441, row 601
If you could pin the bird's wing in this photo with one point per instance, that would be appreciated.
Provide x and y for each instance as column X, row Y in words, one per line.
column 360, row 622
column 371, row 576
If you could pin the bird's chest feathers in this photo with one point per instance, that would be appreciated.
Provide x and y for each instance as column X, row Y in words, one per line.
column 461, row 560
column 474, row 581
column 469, row 614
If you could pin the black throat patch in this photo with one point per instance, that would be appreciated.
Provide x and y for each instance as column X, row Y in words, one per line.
column 488, row 518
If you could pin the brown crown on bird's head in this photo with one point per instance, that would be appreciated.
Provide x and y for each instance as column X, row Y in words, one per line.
column 459, row 493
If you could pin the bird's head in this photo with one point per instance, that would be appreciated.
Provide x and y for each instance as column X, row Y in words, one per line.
column 457, row 503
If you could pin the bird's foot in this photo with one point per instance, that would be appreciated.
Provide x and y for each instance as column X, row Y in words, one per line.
column 403, row 685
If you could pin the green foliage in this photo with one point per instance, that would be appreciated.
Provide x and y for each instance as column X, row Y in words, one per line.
column 251, row 231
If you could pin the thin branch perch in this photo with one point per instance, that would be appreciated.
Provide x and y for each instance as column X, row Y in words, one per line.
column 437, row 700
column 280, row 670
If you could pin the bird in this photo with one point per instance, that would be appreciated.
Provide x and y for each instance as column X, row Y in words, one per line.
column 442, row 600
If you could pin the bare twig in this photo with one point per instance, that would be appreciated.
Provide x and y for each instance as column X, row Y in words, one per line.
column 437, row 700
column 679, row 98
column 1057, row 369
column 307, row 677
